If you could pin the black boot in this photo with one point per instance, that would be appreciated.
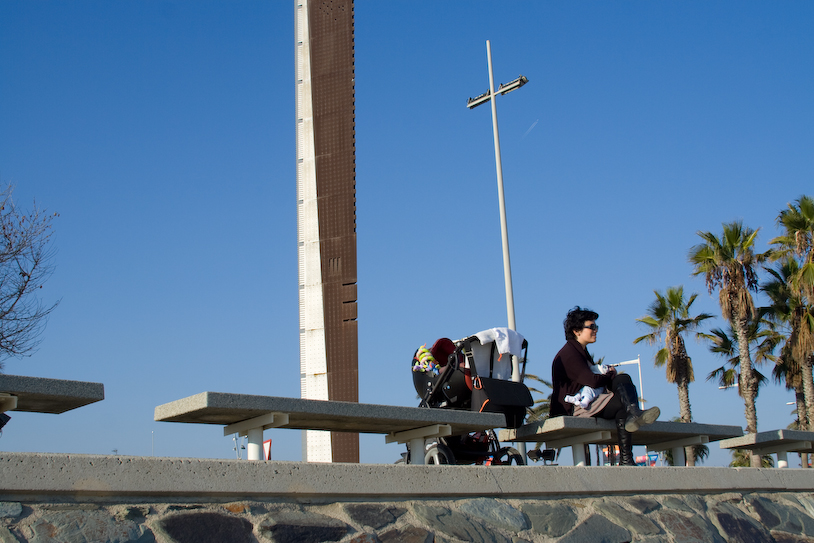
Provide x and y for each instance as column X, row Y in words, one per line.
column 625, row 444
column 635, row 416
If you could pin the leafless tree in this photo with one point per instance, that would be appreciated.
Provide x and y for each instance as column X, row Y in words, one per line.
column 26, row 258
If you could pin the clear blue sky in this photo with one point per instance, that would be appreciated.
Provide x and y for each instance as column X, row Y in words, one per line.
column 163, row 134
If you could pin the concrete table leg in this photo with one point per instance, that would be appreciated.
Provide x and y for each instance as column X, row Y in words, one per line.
column 416, row 437
column 578, row 451
column 254, row 450
column 679, row 458
column 253, row 429
column 417, row 450
column 782, row 459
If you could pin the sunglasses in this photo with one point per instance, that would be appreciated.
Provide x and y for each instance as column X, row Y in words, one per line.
column 593, row 327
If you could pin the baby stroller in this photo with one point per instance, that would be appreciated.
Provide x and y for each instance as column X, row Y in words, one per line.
column 473, row 374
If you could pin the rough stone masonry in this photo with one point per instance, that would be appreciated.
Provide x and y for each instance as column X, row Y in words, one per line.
column 732, row 517
column 89, row 498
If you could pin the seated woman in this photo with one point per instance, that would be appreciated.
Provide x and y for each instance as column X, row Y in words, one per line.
column 572, row 370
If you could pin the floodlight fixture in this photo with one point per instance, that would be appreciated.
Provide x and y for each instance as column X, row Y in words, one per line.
column 512, row 85
column 478, row 100
column 502, row 89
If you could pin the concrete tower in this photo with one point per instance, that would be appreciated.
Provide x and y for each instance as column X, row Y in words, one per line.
column 326, row 216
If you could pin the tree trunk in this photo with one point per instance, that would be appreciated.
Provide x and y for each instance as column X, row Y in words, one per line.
column 685, row 411
column 802, row 422
column 802, row 418
column 747, row 383
column 808, row 398
column 808, row 390
column 684, row 400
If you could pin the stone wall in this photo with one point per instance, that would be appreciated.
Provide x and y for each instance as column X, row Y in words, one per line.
column 70, row 498
column 731, row 517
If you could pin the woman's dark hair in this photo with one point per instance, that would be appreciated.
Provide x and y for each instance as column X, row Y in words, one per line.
column 575, row 320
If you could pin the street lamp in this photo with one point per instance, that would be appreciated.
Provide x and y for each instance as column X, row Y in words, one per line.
column 489, row 96
column 638, row 362
column 502, row 89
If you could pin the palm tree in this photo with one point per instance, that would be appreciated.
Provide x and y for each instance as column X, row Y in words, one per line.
column 786, row 314
column 727, row 345
column 728, row 265
column 795, row 249
column 798, row 241
column 539, row 410
column 741, row 458
column 669, row 315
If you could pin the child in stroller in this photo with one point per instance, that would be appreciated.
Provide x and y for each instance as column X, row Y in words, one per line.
column 446, row 375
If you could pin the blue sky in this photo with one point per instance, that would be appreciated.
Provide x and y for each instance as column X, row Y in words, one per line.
column 163, row 135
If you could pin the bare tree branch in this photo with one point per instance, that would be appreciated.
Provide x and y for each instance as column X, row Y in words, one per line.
column 25, row 264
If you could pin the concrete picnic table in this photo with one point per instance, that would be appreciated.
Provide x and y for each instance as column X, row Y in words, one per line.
column 249, row 415
column 576, row 432
column 42, row 395
column 779, row 442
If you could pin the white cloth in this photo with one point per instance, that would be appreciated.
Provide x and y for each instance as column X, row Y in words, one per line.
column 599, row 369
column 585, row 396
column 501, row 366
column 506, row 340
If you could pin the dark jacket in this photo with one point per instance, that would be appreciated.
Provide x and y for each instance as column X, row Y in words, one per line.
column 571, row 371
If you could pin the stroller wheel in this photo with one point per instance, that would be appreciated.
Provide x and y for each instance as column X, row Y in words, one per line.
column 439, row 454
column 507, row 456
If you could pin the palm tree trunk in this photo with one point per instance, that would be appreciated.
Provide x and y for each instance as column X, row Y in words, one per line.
column 747, row 384
column 808, row 395
column 802, row 412
column 808, row 390
column 686, row 412
column 684, row 400
column 802, row 422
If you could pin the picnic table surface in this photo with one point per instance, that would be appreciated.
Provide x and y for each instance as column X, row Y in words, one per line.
column 559, row 428
column 304, row 414
column 41, row 395
column 781, row 440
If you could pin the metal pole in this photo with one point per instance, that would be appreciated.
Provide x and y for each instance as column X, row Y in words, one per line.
column 504, row 229
column 641, row 384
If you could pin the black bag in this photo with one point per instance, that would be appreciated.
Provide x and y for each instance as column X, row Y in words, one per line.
column 500, row 396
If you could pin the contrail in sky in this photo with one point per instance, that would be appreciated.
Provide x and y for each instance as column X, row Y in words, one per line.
column 530, row 128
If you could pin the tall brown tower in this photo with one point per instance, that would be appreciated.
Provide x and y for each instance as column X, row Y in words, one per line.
column 326, row 216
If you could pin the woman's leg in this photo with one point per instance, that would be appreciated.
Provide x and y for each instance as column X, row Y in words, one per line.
column 624, row 388
column 615, row 408
column 624, row 409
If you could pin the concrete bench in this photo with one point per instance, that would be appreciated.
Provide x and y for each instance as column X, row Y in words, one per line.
column 576, row 432
column 249, row 416
column 778, row 442
column 40, row 395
